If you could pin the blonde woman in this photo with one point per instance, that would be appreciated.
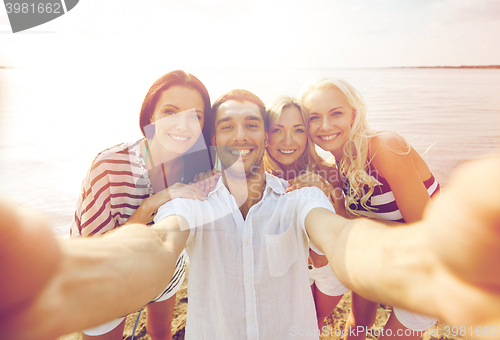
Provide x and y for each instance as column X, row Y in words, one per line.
column 291, row 154
column 384, row 178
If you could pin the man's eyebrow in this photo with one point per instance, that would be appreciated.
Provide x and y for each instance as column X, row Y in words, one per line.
column 175, row 107
column 223, row 120
column 229, row 118
column 253, row 118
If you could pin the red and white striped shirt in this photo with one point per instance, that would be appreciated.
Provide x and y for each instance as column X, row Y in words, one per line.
column 114, row 187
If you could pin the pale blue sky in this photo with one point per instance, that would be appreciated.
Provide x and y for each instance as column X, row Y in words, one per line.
column 235, row 33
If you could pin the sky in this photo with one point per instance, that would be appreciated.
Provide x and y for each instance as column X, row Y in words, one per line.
column 255, row 33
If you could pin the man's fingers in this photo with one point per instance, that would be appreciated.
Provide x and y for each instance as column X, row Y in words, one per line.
column 463, row 224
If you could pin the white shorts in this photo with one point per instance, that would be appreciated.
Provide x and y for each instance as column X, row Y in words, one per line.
column 172, row 288
column 414, row 321
column 326, row 280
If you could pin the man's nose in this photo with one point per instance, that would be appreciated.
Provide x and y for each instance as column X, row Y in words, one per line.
column 240, row 134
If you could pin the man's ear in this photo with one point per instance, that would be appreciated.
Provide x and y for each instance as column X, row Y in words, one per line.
column 266, row 142
column 212, row 139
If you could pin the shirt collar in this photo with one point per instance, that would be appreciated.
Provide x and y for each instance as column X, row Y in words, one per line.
column 275, row 184
column 272, row 183
column 220, row 184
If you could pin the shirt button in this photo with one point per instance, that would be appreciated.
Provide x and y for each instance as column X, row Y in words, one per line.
column 250, row 317
column 249, row 280
column 246, row 242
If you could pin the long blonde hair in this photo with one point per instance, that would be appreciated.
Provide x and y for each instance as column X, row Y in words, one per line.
column 355, row 163
column 309, row 160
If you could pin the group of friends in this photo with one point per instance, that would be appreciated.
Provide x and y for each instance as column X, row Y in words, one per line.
column 274, row 233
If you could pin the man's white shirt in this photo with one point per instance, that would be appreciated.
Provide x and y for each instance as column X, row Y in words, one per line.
column 248, row 277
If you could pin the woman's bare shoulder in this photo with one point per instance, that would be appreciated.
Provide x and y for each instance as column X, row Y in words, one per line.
column 388, row 141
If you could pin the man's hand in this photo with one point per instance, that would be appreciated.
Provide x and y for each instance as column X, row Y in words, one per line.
column 29, row 256
column 464, row 234
column 447, row 265
column 50, row 287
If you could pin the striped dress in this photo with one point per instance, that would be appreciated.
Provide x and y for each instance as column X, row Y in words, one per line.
column 114, row 187
column 382, row 198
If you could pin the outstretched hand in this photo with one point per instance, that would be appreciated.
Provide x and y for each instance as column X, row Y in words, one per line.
column 464, row 235
column 29, row 256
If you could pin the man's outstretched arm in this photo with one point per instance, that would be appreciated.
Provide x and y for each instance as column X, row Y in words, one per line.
column 53, row 287
column 379, row 262
column 445, row 266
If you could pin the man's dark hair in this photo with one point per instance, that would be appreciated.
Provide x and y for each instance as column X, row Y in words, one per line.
column 240, row 96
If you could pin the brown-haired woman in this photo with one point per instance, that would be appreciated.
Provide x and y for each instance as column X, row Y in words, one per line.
column 130, row 181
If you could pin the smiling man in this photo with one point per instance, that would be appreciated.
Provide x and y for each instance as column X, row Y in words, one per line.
column 240, row 139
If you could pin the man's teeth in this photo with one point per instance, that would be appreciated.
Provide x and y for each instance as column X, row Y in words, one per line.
column 237, row 152
column 179, row 138
column 287, row 151
column 329, row 137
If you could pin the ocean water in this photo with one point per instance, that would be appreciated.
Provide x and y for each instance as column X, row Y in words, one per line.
column 54, row 122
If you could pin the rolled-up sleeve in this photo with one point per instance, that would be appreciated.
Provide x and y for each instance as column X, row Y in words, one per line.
column 184, row 207
column 311, row 198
